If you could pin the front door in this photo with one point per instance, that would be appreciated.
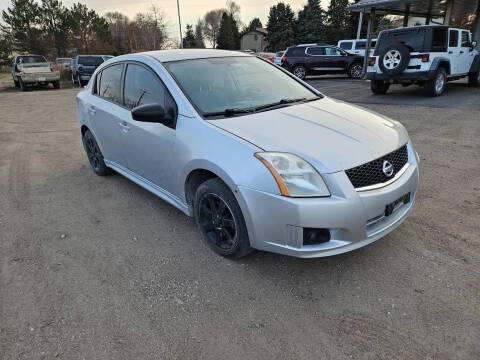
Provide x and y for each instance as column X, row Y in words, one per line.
column 149, row 147
column 466, row 53
column 334, row 59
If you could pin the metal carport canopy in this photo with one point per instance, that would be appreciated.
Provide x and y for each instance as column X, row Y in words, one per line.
column 431, row 8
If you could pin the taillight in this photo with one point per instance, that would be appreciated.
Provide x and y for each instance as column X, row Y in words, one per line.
column 372, row 61
column 425, row 57
column 284, row 58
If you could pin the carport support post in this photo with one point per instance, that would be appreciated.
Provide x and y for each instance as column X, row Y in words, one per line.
column 366, row 58
column 360, row 21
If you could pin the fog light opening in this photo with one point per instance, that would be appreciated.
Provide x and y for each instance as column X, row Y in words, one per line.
column 315, row 236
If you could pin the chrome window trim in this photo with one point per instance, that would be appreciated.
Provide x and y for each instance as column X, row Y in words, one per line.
column 380, row 185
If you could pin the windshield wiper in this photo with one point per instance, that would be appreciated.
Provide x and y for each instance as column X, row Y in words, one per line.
column 235, row 111
column 228, row 112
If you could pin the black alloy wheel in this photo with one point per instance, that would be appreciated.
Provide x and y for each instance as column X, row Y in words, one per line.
column 220, row 219
column 217, row 222
column 95, row 157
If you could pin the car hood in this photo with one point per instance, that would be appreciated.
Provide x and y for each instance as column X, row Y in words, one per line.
column 330, row 134
column 34, row 68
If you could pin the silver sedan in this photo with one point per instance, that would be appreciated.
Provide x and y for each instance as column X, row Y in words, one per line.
column 261, row 159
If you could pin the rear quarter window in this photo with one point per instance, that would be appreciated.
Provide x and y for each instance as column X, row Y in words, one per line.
column 439, row 40
column 346, row 45
column 295, row 52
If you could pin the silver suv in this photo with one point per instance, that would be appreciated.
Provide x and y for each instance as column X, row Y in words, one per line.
column 428, row 56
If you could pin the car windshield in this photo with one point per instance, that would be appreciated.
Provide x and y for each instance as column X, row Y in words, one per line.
column 217, row 84
column 90, row 60
column 31, row 59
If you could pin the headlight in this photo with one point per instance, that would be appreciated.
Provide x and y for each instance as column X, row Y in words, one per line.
column 294, row 176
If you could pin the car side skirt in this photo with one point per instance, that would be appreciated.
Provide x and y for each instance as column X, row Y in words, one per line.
column 148, row 185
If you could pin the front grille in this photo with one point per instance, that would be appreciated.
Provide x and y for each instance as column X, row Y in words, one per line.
column 372, row 173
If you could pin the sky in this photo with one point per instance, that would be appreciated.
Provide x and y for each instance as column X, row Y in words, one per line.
column 190, row 10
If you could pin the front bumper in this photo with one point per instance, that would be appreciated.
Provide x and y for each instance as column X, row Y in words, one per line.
column 275, row 223
column 40, row 77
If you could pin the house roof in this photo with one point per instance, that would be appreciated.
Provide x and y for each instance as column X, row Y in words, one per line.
column 260, row 31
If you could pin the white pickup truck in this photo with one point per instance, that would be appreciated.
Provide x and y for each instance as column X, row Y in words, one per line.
column 28, row 70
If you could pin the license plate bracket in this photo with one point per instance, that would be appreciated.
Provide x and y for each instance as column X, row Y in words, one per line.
column 394, row 206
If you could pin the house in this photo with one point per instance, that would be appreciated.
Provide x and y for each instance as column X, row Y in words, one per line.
column 254, row 40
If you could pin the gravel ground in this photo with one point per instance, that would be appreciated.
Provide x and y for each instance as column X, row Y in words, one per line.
column 98, row 268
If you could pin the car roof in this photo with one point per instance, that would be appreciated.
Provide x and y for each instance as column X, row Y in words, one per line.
column 190, row 54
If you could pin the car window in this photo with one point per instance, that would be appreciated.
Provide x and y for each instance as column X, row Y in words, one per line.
column 90, row 60
column 465, row 39
column 332, row 51
column 414, row 39
column 279, row 54
column 31, row 59
column 346, row 45
column 111, row 83
column 439, row 40
column 295, row 52
column 234, row 83
column 360, row 45
column 316, row 51
column 453, row 42
column 142, row 87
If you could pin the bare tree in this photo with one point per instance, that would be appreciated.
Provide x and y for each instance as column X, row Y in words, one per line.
column 212, row 22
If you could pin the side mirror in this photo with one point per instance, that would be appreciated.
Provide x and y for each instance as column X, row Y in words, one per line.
column 149, row 113
column 474, row 44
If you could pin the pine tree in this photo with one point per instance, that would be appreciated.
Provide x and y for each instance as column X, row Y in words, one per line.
column 199, row 43
column 189, row 39
column 228, row 35
column 280, row 27
column 310, row 27
column 339, row 21
column 255, row 24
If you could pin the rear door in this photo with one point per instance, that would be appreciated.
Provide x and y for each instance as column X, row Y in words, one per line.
column 315, row 60
column 104, row 110
column 454, row 50
column 149, row 147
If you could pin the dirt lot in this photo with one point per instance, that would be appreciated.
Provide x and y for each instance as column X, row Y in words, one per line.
column 98, row 268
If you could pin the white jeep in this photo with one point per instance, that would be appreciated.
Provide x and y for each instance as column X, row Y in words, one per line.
column 428, row 56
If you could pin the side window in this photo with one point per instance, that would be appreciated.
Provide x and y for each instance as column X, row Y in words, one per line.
column 346, row 45
column 316, row 51
column 453, row 42
column 332, row 51
column 439, row 40
column 111, row 83
column 361, row 45
column 465, row 39
column 142, row 87
column 295, row 52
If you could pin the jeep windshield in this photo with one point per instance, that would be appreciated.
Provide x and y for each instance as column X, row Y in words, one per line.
column 414, row 39
column 237, row 85
column 90, row 60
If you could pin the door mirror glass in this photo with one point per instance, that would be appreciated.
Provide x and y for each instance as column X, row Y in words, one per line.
column 149, row 113
column 474, row 44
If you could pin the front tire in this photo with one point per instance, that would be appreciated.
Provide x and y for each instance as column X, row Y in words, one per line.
column 355, row 71
column 22, row 85
column 95, row 156
column 220, row 219
column 379, row 87
column 437, row 85
column 56, row 84
column 474, row 79
column 300, row 72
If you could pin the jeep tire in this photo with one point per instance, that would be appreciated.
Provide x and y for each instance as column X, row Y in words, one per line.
column 394, row 59
column 379, row 87
column 436, row 86
column 474, row 78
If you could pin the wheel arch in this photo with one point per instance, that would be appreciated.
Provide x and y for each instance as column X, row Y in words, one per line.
column 475, row 64
column 441, row 62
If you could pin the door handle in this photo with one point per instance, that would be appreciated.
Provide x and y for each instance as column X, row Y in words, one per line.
column 124, row 125
column 461, row 52
column 92, row 110
column 450, row 52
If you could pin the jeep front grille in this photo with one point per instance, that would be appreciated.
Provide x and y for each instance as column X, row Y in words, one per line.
column 372, row 174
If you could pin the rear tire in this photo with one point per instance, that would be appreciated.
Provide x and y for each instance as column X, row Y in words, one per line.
column 220, row 219
column 379, row 87
column 474, row 79
column 437, row 85
column 95, row 156
column 15, row 82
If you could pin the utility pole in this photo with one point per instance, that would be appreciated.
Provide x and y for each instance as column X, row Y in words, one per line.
column 180, row 25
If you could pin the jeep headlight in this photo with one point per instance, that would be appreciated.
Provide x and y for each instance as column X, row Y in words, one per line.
column 294, row 176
